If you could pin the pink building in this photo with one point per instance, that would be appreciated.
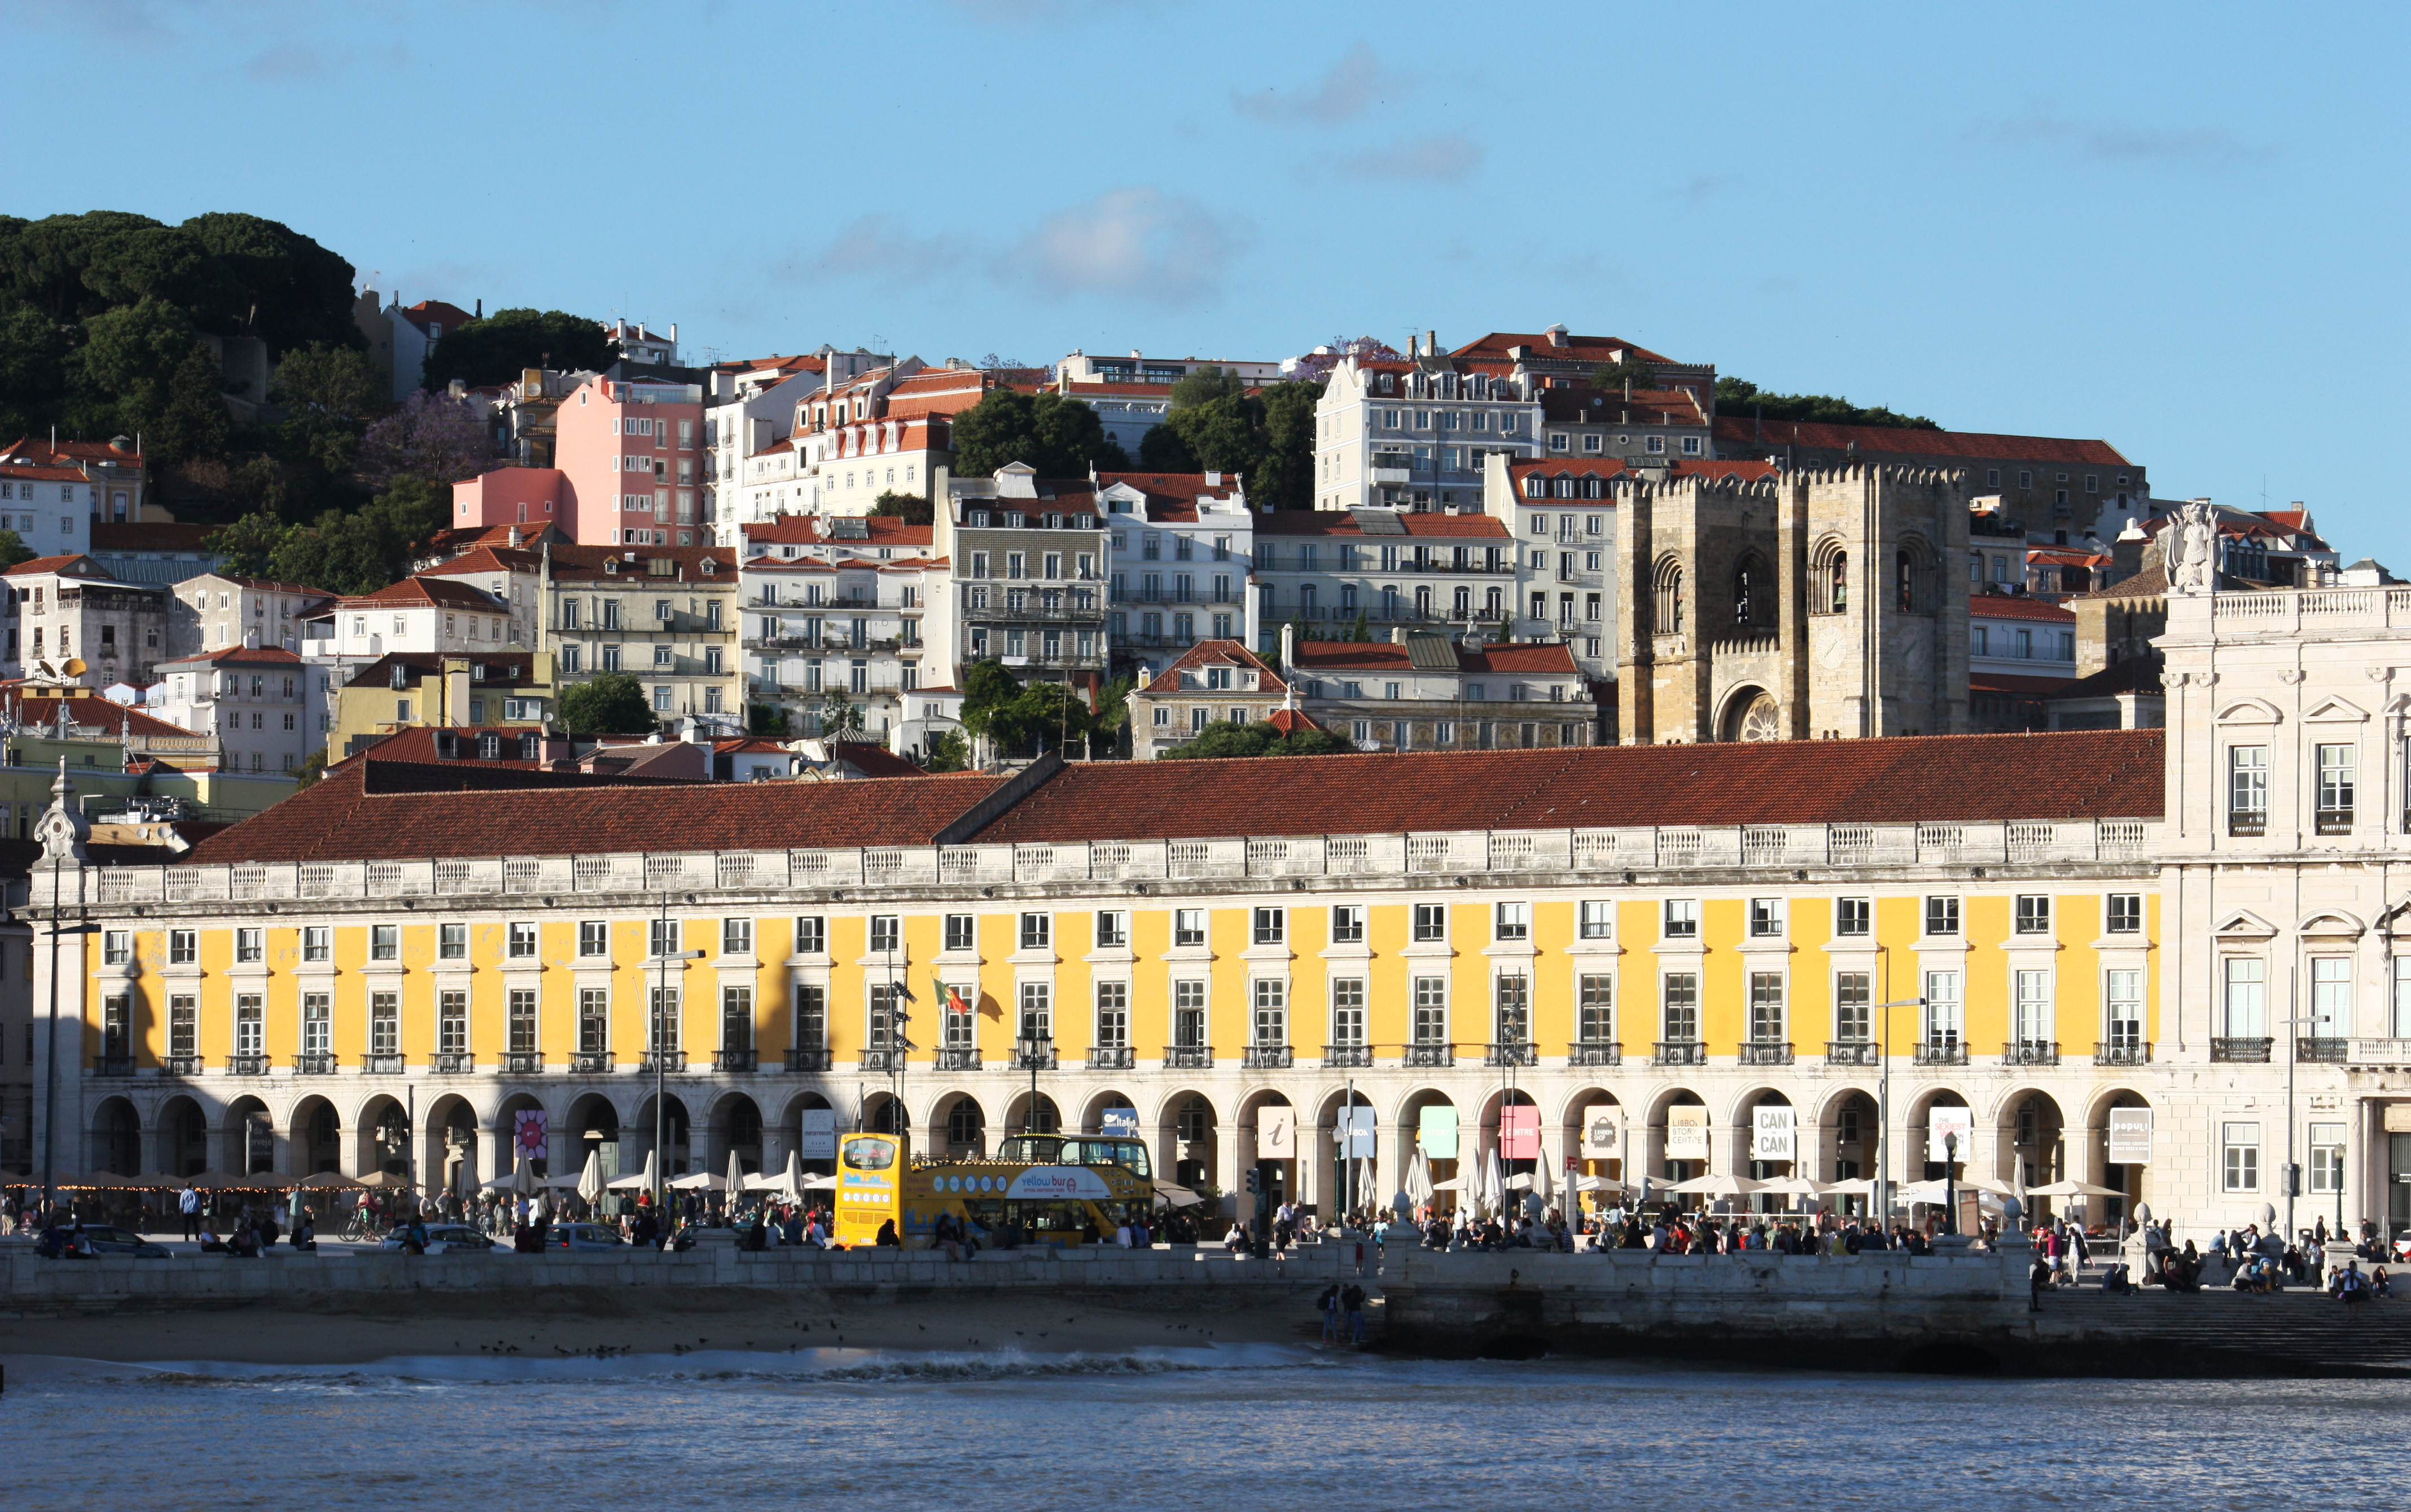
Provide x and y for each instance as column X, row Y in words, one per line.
column 508, row 497
column 629, row 459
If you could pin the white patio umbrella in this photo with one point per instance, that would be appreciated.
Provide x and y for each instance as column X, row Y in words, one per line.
column 735, row 1181
column 698, row 1181
column 790, row 1180
column 2073, row 1189
column 1419, row 1178
column 1493, row 1188
column 589, row 1180
column 1717, row 1185
column 1599, row 1183
column 1543, row 1184
column 641, row 1181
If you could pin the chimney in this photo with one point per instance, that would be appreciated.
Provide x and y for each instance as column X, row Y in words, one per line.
column 1431, row 344
column 1213, row 479
column 515, row 536
column 250, row 639
column 481, row 309
column 1288, row 646
column 1397, row 634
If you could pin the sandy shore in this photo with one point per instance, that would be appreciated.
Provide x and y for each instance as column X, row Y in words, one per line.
column 570, row 1321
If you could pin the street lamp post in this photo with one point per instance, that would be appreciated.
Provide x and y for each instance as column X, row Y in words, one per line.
column 662, row 956
column 1951, row 1183
column 1882, row 1203
column 1032, row 1046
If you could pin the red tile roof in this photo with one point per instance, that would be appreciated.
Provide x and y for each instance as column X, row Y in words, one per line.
column 48, row 453
column 2064, row 775
column 427, row 592
column 1614, row 468
column 488, row 559
column 1576, row 349
column 1342, row 522
column 451, row 316
column 54, row 563
column 1387, row 655
column 809, row 530
column 2015, row 684
column 503, row 669
column 158, row 535
column 1220, row 653
column 274, row 655
column 1742, row 433
column 584, row 564
column 417, row 743
column 2016, row 607
column 370, row 810
column 104, row 714
column 1171, row 497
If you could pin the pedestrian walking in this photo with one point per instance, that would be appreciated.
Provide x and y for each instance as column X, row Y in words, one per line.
column 188, row 1203
column 2036, row 1279
column 1328, row 1305
column 1353, row 1300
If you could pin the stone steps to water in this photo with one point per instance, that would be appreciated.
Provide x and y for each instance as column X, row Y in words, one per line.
column 2296, row 1324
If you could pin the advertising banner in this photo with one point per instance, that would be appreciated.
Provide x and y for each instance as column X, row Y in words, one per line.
column 1063, row 1183
column 1519, row 1133
column 1356, row 1133
column 1773, row 1132
column 1120, row 1122
column 2130, row 1137
column 1601, row 1133
column 1940, row 1124
column 820, row 1134
column 1686, row 1132
column 1276, row 1133
column 1436, row 1131
column 530, row 1134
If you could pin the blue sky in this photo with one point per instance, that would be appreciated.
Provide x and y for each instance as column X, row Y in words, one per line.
column 2178, row 228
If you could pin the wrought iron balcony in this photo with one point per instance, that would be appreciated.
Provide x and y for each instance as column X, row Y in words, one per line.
column 1766, row 1052
column 2030, row 1053
column 2241, row 1051
column 672, row 1063
column 2247, row 822
column 1431, row 1054
column 112, row 1065
column 1343, row 1057
column 1510, row 1052
column 314, row 1063
column 246, row 1065
column 1110, row 1058
column 1852, row 1052
column 182, row 1065
column 1595, row 1053
column 2322, row 1050
column 1680, row 1052
column 1188, row 1058
column 2121, row 1053
column 807, row 1058
column 882, row 1061
column 1265, row 1058
column 592, row 1063
column 1941, row 1052
column 959, row 1058
column 384, row 1063
column 1040, row 1057
column 455, row 1063
column 735, row 1061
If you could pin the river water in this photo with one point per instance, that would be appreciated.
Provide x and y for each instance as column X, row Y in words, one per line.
column 1222, row 1428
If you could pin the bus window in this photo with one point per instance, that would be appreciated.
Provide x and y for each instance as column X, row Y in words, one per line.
column 1132, row 1156
column 1038, row 1149
column 870, row 1154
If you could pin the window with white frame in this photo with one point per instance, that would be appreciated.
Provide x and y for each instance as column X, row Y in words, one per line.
column 1113, row 1015
column 2244, row 1010
column 1511, row 999
column 1594, row 1008
column 1270, row 1024
column 1597, row 919
column 1766, row 1020
column 2032, row 1009
column 2033, row 913
column 1188, row 927
column 2122, row 989
column 1189, row 1015
column 1946, row 1021
column 1682, row 919
column 2125, row 913
column 1431, row 1010
column 1766, row 919
column 2239, row 1163
column 1347, row 1011
column 1348, row 923
column 1853, row 915
column 1514, row 921
column 1681, row 995
column 2331, row 996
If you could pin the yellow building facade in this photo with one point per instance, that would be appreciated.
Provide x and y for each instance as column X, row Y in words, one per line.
column 1659, row 1001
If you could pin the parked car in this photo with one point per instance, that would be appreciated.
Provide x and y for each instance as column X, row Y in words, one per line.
column 107, row 1239
column 581, row 1237
column 445, row 1239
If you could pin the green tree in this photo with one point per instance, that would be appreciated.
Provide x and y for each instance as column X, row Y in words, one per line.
column 496, row 348
column 838, row 713
column 1363, row 632
column 911, row 509
column 1267, row 438
column 948, row 752
column 990, row 687
column 33, row 370
column 613, row 703
column 13, row 550
column 343, row 553
column 1060, row 437
column 336, row 382
column 410, row 511
column 248, row 543
column 313, row 766
column 1262, row 739
column 1614, row 376
column 1741, row 397
column 767, row 720
column 295, row 292
column 142, row 369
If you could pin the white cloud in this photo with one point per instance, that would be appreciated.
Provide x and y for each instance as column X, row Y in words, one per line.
column 880, row 249
column 1137, row 244
column 2112, row 142
column 1446, row 158
column 1352, row 86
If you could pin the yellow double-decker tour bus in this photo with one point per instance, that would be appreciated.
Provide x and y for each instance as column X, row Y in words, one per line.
column 1037, row 1189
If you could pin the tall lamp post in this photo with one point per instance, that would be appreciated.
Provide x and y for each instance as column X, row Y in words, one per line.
column 662, row 956
column 1882, row 1203
column 1032, row 1046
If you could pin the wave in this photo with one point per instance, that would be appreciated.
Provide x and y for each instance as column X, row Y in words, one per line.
column 802, row 1366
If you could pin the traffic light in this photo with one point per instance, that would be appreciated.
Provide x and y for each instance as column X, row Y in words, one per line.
column 1255, row 1181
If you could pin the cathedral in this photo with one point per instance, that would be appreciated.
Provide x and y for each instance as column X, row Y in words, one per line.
column 1802, row 605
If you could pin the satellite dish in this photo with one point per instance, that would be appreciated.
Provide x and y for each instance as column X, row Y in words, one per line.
column 45, row 669
column 74, row 667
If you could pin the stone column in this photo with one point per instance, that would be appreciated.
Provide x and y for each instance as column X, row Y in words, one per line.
column 490, row 1163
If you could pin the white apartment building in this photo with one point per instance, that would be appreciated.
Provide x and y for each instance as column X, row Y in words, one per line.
column 263, row 702
column 748, row 408
column 1182, row 548
column 886, row 431
column 1026, row 561
column 1423, row 690
column 65, row 609
column 2014, row 636
column 637, row 345
column 218, row 610
column 832, row 635
column 421, row 615
column 1326, row 569
column 511, row 576
column 666, row 616
column 48, row 506
column 1413, row 433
